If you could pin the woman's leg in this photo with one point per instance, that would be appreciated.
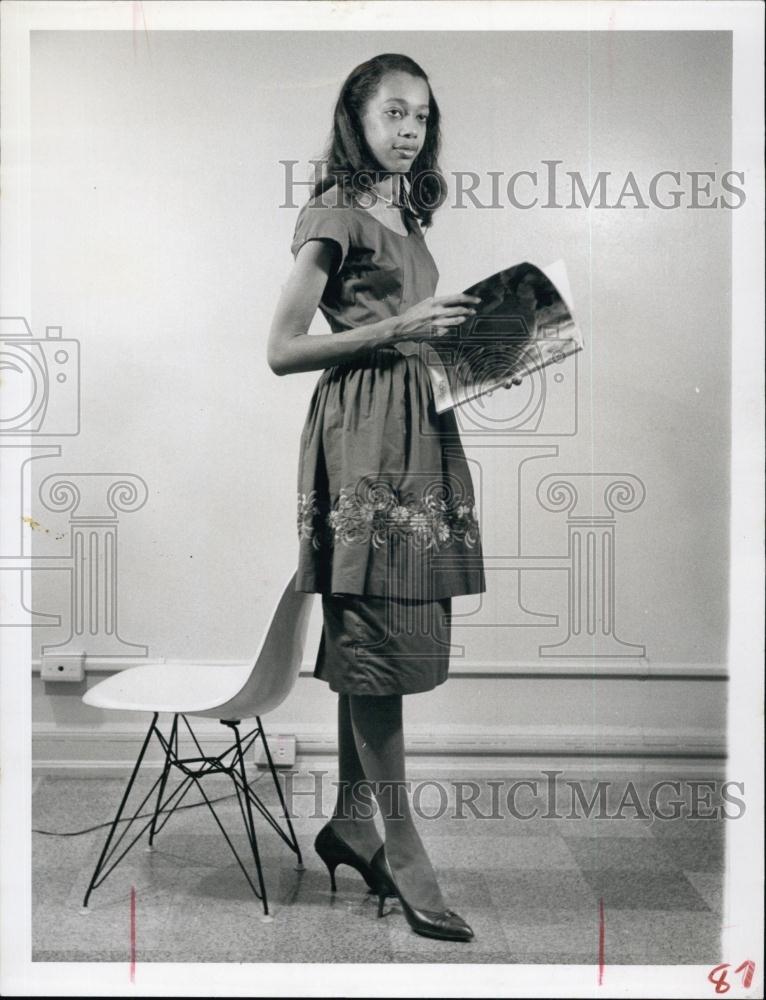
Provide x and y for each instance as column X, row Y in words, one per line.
column 379, row 734
column 353, row 816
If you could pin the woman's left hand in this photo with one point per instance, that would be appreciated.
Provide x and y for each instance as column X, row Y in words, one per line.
column 516, row 380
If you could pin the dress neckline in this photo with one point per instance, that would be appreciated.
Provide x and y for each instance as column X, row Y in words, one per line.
column 402, row 236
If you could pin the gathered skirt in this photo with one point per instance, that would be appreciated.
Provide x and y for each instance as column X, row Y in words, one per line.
column 379, row 646
column 386, row 503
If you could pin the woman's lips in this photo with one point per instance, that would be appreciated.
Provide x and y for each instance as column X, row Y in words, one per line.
column 405, row 151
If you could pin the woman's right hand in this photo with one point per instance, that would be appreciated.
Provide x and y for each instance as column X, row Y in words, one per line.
column 433, row 317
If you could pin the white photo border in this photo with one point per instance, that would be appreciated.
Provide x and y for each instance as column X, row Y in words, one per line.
column 743, row 927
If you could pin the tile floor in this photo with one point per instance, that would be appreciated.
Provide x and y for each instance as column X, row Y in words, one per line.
column 529, row 888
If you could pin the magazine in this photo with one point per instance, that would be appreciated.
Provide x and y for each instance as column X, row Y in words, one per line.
column 523, row 324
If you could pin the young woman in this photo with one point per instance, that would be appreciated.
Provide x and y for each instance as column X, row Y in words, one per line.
column 387, row 527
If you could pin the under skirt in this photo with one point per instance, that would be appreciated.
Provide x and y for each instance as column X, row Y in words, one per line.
column 379, row 646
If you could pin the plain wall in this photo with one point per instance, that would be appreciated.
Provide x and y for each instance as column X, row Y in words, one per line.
column 158, row 241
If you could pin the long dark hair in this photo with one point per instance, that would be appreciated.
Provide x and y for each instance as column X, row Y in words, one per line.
column 347, row 158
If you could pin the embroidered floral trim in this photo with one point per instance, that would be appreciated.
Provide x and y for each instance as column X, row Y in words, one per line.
column 431, row 522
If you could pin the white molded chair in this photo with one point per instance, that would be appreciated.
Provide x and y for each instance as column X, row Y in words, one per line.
column 226, row 693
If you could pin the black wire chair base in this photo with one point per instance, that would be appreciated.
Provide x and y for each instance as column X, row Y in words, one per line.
column 232, row 763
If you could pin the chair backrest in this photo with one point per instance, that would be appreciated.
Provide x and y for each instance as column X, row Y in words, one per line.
column 278, row 660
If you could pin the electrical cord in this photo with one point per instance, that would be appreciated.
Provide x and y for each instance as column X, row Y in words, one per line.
column 126, row 819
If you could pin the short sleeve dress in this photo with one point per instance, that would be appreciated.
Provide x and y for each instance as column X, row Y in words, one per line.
column 387, row 522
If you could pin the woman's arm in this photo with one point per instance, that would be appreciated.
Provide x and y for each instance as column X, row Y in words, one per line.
column 291, row 349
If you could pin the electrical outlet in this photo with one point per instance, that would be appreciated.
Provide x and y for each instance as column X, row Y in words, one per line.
column 282, row 752
column 68, row 668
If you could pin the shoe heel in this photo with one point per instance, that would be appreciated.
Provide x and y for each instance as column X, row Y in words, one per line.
column 331, row 869
column 445, row 925
column 334, row 851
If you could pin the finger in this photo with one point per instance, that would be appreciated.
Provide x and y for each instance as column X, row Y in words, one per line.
column 455, row 311
column 456, row 298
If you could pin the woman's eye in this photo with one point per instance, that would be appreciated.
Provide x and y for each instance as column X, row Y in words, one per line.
column 423, row 118
column 393, row 111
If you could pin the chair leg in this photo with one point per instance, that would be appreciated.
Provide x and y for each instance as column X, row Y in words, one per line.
column 249, row 823
column 280, row 793
column 171, row 749
column 116, row 820
column 194, row 770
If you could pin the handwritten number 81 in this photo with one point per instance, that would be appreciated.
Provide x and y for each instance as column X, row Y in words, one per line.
column 717, row 976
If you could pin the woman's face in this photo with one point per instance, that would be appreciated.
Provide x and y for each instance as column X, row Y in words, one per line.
column 395, row 121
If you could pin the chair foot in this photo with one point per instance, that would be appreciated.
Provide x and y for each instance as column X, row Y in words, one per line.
column 150, row 849
column 300, row 867
column 266, row 919
column 84, row 911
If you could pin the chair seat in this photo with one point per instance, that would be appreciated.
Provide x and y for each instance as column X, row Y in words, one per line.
column 183, row 688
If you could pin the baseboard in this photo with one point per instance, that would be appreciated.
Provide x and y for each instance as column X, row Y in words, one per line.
column 637, row 668
column 98, row 750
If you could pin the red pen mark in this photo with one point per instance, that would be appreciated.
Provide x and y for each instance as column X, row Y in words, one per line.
column 132, row 934
column 601, row 940
column 748, row 967
column 717, row 975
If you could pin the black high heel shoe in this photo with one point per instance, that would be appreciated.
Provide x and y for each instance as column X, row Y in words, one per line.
column 445, row 925
column 334, row 851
